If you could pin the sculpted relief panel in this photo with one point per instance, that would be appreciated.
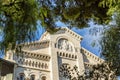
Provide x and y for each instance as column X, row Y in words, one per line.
column 64, row 44
column 67, row 72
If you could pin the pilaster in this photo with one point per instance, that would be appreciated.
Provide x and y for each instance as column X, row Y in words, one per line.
column 54, row 62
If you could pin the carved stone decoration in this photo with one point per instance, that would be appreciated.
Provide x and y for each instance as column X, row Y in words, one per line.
column 33, row 46
column 64, row 44
column 69, row 73
column 64, row 71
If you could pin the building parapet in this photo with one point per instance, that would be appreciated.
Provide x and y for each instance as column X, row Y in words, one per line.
column 66, row 55
column 91, row 55
column 24, row 62
column 72, row 33
column 88, row 64
column 34, row 45
column 39, row 56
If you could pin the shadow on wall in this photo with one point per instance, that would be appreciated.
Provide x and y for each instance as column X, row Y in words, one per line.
column 85, row 58
column 6, row 70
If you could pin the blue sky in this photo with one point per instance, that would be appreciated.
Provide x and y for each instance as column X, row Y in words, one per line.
column 90, row 37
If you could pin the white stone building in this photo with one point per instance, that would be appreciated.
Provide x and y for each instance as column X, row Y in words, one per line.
column 52, row 57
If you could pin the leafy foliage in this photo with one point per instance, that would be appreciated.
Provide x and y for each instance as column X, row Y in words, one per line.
column 113, row 5
column 111, row 39
column 79, row 12
column 18, row 18
column 111, row 47
column 94, row 72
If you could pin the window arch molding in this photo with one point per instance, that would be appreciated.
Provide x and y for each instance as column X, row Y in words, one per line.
column 21, row 76
column 43, row 77
column 32, row 77
column 65, row 37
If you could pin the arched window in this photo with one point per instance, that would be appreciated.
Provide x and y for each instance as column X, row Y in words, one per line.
column 21, row 76
column 33, row 64
column 30, row 63
column 42, row 65
column 26, row 63
column 39, row 65
column 36, row 64
column 46, row 66
column 64, row 44
column 44, row 78
column 32, row 77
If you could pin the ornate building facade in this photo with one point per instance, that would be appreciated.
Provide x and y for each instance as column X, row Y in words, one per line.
column 52, row 57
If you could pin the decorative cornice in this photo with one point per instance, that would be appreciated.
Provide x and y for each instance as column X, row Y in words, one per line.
column 66, row 55
column 34, row 45
column 65, row 29
column 24, row 62
column 39, row 56
column 91, row 55
column 72, row 33
column 44, row 34
column 88, row 64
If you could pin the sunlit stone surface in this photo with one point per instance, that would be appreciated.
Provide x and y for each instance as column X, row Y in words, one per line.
column 52, row 57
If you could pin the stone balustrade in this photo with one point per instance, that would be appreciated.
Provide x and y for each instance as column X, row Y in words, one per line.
column 34, row 45
column 88, row 65
column 33, row 63
column 66, row 55
column 39, row 56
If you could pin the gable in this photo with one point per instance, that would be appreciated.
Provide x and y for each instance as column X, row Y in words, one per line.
column 64, row 30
